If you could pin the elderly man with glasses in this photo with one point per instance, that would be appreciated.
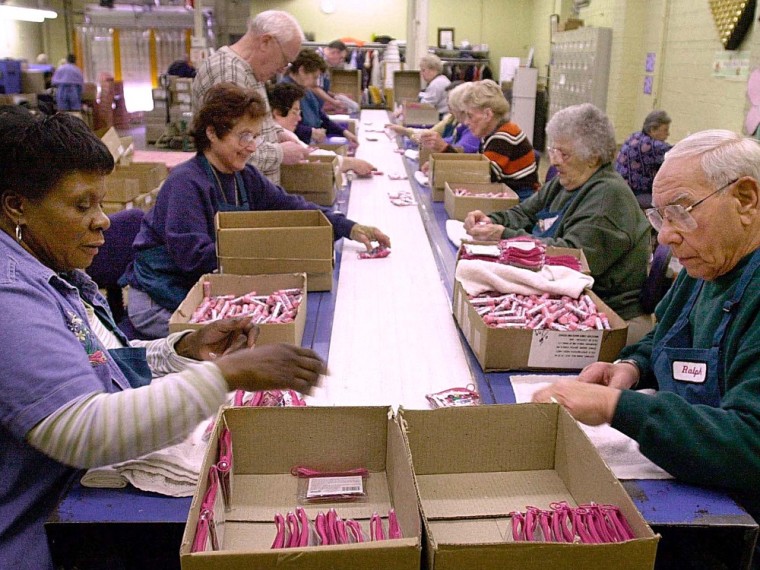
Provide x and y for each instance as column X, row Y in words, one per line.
column 272, row 41
column 703, row 425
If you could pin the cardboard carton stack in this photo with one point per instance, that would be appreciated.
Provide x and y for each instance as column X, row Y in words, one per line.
column 266, row 242
column 456, row 168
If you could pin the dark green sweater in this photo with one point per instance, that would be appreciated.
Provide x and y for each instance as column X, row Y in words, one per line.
column 696, row 443
column 605, row 221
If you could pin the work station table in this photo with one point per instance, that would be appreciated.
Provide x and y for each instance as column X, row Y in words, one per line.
column 388, row 335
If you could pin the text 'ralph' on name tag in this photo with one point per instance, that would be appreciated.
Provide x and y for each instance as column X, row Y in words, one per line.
column 695, row 372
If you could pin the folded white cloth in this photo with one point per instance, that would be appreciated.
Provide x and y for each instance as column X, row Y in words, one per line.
column 477, row 276
column 412, row 154
column 456, row 232
column 620, row 452
column 348, row 103
column 171, row 471
column 421, row 179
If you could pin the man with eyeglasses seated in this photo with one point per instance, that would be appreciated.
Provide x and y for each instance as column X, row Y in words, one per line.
column 272, row 41
column 703, row 425
column 176, row 244
column 586, row 206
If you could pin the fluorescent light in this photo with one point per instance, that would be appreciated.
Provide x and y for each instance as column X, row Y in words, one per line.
column 25, row 14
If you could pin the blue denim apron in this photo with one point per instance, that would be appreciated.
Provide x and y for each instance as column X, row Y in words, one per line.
column 154, row 268
column 696, row 374
column 545, row 217
column 131, row 360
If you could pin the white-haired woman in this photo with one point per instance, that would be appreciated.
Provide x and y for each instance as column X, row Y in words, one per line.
column 431, row 71
column 586, row 206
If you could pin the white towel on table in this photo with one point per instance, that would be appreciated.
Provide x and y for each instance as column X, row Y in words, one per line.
column 477, row 276
column 620, row 452
column 171, row 471
column 421, row 178
column 412, row 154
column 456, row 232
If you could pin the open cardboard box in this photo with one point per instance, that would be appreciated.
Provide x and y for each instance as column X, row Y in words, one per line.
column 226, row 284
column 457, row 207
column 276, row 241
column 267, row 444
column 348, row 82
column 317, row 180
column 418, row 114
column 127, row 181
column 457, row 168
column 406, row 85
column 523, row 349
column 474, row 465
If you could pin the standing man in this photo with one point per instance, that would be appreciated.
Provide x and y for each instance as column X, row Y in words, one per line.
column 69, row 81
column 272, row 41
column 335, row 58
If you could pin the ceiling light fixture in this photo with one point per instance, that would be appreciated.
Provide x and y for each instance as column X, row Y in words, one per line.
column 25, row 14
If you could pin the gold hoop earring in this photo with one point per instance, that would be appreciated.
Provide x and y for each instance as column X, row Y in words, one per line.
column 19, row 237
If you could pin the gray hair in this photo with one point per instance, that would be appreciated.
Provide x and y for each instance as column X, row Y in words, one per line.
column 431, row 61
column 276, row 23
column 723, row 155
column 654, row 120
column 486, row 94
column 457, row 96
column 588, row 127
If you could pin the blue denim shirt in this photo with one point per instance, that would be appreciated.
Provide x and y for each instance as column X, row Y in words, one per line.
column 50, row 357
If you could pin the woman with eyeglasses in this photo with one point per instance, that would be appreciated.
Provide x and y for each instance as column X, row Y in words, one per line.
column 703, row 356
column 176, row 243
column 586, row 206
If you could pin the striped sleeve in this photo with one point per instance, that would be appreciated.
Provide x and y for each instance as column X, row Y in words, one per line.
column 99, row 429
column 161, row 356
column 513, row 161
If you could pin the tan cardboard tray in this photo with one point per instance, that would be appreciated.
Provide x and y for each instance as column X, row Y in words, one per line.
column 267, row 444
column 226, row 284
column 474, row 465
column 457, row 207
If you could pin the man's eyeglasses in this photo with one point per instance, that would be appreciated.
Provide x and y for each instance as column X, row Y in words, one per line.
column 678, row 216
column 558, row 153
column 287, row 63
column 249, row 139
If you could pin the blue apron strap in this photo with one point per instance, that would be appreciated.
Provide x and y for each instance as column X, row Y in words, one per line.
column 559, row 214
column 728, row 306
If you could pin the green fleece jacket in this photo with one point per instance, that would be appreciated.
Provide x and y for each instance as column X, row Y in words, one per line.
column 697, row 443
column 606, row 222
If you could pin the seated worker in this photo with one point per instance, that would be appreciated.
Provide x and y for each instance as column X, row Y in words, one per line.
column 69, row 82
column 703, row 356
column 315, row 124
column 513, row 160
column 586, row 206
column 431, row 72
column 642, row 154
column 66, row 387
column 176, row 243
column 182, row 68
column 334, row 55
column 461, row 139
column 285, row 101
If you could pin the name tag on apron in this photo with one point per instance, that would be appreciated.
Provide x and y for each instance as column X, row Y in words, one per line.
column 695, row 372
column 546, row 223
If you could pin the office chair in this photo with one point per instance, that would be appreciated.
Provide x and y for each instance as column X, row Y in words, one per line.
column 112, row 260
column 657, row 282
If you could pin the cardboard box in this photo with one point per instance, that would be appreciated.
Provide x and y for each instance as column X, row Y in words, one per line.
column 406, row 85
column 267, row 443
column 419, row 114
column 289, row 241
column 180, row 84
column 474, row 465
column 522, row 349
column 456, row 168
column 340, row 149
column 457, row 207
column 32, row 81
column 127, row 181
column 348, row 82
column 317, row 180
column 226, row 284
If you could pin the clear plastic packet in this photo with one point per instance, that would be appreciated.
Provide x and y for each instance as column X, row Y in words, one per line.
column 376, row 530
column 355, row 532
column 454, row 397
column 331, row 486
column 282, row 536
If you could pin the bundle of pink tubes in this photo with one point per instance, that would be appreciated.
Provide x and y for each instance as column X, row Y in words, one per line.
column 298, row 530
column 526, row 253
column 586, row 524
column 466, row 192
column 545, row 311
column 278, row 307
